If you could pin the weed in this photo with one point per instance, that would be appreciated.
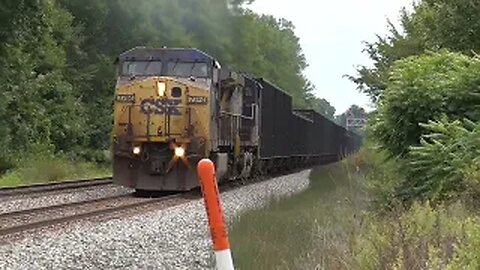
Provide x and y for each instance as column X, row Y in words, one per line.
column 43, row 168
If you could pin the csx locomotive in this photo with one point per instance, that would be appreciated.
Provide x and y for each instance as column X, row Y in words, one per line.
column 174, row 107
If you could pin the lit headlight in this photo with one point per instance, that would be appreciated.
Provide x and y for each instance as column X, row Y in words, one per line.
column 136, row 150
column 179, row 152
column 161, row 88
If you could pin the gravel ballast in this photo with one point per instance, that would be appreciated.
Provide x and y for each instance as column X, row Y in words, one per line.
column 172, row 238
column 68, row 196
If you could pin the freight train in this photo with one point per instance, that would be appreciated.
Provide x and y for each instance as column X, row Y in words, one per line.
column 175, row 106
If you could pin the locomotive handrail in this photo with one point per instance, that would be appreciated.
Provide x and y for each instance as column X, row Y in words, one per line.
column 253, row 107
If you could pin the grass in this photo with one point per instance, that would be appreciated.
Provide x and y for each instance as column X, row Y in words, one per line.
column 302, row 232
column 47, row 168
column 337, row 224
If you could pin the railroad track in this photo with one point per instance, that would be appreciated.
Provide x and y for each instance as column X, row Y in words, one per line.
column 49, row 187
column 23, row 220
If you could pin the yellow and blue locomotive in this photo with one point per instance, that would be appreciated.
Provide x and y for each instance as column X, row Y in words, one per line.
column 173, row 107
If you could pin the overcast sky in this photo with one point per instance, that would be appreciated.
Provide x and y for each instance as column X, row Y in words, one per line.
column 331, row 35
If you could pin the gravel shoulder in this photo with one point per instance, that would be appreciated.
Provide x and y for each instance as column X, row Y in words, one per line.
column 172, row 238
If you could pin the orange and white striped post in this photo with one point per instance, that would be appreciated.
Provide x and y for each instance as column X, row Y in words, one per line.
column 218, row 229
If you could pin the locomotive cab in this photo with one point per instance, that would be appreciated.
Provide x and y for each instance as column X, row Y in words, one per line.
column 162, row 117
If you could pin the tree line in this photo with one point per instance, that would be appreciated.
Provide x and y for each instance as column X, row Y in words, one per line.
column 56, row 62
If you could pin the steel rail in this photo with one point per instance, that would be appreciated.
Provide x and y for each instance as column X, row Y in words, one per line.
column 67, row 218
column 57, row 186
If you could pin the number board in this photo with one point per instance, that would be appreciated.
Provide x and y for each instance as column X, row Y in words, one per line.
column 125, row 98
column 197, row 100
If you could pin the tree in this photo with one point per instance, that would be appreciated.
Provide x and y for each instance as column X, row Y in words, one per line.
column 423, row 88
column 39, row 106
column 433, row 25
column 443, row 165
column 321, row 106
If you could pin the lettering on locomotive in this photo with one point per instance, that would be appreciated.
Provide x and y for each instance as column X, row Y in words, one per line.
column 127, row 98
column 161, row 106
column 197, row 100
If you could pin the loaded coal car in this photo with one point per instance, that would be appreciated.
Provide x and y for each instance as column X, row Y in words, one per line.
column 276, row 133
column 320, row 140
column 175, row 106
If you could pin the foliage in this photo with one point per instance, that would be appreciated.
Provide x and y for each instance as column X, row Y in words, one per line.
column 422, row 237
column 42, row 166
column 433, row 25
column 320, row 105
column 383, row 176
column 384, row 52
column 39, row 105
column 420, row 89
column 438, row 167
column 239, row 38
column 415, row 80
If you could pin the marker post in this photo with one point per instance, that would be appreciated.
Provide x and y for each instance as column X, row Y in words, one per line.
column 218, row 229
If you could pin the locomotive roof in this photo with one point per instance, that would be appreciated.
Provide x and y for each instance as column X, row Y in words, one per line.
column 146, row 54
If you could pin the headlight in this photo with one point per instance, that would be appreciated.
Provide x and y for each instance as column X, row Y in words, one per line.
column 136, row 150
column 161, row 88
column 179, row 152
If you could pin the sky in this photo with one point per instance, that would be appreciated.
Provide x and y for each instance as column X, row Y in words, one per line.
column 331, row 35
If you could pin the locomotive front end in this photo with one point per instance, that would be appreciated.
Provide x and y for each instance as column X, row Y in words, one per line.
column 161, row 118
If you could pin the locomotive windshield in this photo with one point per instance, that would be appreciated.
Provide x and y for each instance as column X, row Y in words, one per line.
column 142, row 68
column 173, row 68
column 183, row 69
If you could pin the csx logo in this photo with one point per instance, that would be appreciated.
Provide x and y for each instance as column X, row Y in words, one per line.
column 160, row 106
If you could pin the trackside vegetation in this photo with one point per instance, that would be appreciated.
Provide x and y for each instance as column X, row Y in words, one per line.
column 43, row 166
column 414, row 204
column 340, row 222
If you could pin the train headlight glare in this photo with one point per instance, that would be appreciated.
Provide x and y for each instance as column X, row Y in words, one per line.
column 136, row 150
column 179, row 152
column 161, row 88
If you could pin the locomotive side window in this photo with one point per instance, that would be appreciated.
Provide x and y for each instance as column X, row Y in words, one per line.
column 142, row 68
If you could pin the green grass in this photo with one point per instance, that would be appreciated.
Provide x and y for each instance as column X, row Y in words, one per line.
column 302, row 232
column 337, row 223
column 48, row 168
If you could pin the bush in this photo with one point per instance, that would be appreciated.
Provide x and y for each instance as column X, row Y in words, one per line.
column 446, row 158
column 420, row 238
column 420, row 89
column 43, row 167
column 382, row 176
